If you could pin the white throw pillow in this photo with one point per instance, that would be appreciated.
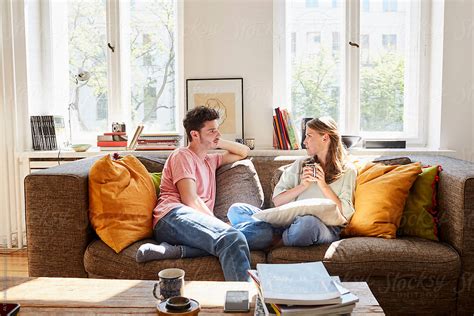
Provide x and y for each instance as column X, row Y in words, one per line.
column 284, row 215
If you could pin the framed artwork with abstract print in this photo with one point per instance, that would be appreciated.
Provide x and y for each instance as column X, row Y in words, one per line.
column 224, row 95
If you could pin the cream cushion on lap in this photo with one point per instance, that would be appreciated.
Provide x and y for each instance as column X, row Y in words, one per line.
column 284, row 215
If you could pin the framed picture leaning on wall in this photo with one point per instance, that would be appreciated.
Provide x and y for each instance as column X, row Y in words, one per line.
column 226, row 95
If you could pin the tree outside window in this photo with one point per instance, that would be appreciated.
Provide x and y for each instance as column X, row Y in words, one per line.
column 148, row 65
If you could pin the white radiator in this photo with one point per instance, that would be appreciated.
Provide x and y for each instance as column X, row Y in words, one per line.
column 12, row 229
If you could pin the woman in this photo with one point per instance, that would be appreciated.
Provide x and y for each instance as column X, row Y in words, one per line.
column 333, row 178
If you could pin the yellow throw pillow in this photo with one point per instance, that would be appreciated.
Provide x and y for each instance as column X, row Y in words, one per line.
column 121, row 201
column 380, row 196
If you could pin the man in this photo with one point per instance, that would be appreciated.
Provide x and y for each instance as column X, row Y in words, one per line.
column 184, row 213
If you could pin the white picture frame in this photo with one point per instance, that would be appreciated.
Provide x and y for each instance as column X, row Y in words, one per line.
column 223, row 94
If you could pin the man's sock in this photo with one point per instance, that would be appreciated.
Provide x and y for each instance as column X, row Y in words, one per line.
column 149, row 251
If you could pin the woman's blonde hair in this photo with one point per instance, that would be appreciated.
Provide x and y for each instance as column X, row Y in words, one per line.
column 336, row 156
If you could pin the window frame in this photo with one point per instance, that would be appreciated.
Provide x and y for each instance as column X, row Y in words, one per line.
column 119, row 80
column 56, row 84
column 416, row 102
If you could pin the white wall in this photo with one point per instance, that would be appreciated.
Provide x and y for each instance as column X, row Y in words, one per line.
column 457, row 115
column 234, row 38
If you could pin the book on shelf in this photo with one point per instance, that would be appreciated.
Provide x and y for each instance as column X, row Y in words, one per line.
column 297, row 284
column 112, row 144
column 160, row 137
column 292, row 135
column 115, row 133
column 136, row 135
column 159, row 148
column 281, row 125
column 284, row 131
column 43, row 131
column 112, row 138
column 113, row 148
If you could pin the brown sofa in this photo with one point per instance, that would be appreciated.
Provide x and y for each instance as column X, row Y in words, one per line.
column 407, row 275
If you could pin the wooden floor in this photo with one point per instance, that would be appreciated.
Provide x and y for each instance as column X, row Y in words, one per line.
column 13, row 263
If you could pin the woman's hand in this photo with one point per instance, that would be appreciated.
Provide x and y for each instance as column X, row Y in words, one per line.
column 307, row 176
column 320, row 177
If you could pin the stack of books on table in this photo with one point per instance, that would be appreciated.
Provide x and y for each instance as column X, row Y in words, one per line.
column 158, row 141
column 112, row 141
column 300, row 289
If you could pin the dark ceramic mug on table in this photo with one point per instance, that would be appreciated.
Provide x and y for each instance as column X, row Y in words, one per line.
column 171, row 283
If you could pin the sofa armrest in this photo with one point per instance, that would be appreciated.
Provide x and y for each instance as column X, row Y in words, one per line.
column 456, row 205
column 58, row 230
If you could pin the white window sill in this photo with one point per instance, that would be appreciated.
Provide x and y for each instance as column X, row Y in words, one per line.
column 359, row 151
column 356, row 151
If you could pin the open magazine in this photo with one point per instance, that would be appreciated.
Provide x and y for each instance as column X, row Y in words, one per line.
column 297, row 284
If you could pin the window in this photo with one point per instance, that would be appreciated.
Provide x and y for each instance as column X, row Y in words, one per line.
column 372, row 90
column 335, row 3
column 389, row 41
column 293, row 43
column 390, row 5
column 102, row 108
column 336, row 42
column 314, row 68
column 149, row 99
column 365, row 5
column 147, row 57
column 312, row 3
column 365, row 49
column 314, row 37
column 118, row 58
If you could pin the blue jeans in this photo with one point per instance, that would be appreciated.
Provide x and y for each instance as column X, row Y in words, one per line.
column 304, row 231
column 206, row 235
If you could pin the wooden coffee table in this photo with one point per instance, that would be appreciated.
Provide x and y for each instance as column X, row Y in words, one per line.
column 45, row 296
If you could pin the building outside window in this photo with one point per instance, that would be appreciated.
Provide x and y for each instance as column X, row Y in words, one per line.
column 293, row 43
column 390, row 5
column 365, row 49
column 389, row 41
column 312, row 3
column 365, row 6
column 336, row 42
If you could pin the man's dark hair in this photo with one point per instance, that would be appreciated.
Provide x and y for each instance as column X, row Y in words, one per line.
column 196, row 118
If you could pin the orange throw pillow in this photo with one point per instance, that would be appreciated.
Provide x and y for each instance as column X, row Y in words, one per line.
column 380, row 196
column 121, row 201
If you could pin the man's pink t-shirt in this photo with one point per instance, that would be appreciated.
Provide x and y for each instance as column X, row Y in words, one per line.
column 183, row 163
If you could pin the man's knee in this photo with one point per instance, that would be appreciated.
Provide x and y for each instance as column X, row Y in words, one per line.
column 237, row 208
column 234, row 209
column 231, row 238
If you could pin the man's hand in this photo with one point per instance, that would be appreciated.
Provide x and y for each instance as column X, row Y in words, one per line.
column 235, row 151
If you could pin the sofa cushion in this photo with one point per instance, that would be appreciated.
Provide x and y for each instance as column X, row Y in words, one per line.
column 420, row 216
column 380, row 196
column 156, row 178
column 121, row 199
column 237, row 183
column 102, row 262
column 151, row 163
column 376, row 257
